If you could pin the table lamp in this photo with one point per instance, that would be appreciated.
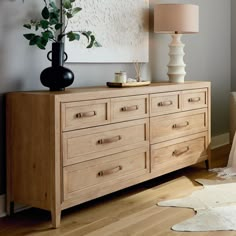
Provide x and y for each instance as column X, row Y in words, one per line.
column 176, row 19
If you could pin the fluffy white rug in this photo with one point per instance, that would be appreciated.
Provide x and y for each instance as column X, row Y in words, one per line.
column 215, row 206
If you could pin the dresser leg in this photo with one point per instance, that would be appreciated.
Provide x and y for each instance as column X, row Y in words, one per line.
column 56, row 219
column 207, row 164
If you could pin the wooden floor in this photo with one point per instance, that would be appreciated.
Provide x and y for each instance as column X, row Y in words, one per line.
column 128, row 212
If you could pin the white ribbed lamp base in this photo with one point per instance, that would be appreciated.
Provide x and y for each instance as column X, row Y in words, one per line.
column 176, row 66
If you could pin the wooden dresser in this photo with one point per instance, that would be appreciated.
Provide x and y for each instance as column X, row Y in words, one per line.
column 66, row 148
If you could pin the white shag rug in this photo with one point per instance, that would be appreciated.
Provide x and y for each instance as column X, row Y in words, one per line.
column 215, row 206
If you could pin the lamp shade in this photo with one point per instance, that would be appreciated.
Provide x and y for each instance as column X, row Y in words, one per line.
column 176, row 18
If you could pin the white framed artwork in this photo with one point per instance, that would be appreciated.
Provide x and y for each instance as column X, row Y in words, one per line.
column 120, row 26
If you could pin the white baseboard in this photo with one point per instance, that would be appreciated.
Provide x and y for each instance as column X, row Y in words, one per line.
column 2, row 205
column 220, row 140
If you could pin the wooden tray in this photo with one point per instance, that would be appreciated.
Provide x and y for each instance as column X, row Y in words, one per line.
column 130, row 84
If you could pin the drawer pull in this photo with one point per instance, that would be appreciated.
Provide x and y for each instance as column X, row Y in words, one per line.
column 110, row 171
column 109, row 140
column 177, row 153
column 131, row 108
column 86, row 114
column 182, row 125
column 197, row 99
column 165, row 103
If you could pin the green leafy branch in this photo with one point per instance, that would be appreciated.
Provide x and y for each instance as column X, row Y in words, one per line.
column 51, row 28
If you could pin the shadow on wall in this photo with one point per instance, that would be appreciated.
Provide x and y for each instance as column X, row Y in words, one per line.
column 2, row 144
column 8, row 80
column 11, row 85
column 14, row 84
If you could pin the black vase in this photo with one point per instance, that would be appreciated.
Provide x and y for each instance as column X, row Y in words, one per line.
column 57, row 77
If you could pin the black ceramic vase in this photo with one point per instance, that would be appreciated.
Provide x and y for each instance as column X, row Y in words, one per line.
column 57, row 77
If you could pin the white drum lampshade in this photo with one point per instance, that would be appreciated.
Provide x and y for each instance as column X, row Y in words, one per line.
column 176, row 19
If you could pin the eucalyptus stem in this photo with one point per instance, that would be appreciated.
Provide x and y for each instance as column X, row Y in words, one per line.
column 61, row 20
column 45, row 3
column 61, row 11
column 53, row 24
column 64, row 30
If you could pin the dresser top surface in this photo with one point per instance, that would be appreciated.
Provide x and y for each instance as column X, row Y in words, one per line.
column 156, row 85
column 106, row 92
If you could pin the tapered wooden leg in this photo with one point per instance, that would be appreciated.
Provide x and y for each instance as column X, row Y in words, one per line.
column 56, row 218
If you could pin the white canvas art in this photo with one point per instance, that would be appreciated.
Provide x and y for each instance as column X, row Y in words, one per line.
column 120, row 26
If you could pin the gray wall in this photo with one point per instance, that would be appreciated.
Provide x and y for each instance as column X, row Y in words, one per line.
column 207, row 58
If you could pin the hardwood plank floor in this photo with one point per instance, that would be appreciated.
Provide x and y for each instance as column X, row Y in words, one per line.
column 132, row 211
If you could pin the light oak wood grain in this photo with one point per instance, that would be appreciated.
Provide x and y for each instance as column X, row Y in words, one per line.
column 66, row 148
column 129, row 212
column 194, row 99
column 87, row 144
column 169, row 156
column 98, row 176
column 76, row 115
column 129, row 108
column 29, row 149
column 178, row 125
column 165, row 103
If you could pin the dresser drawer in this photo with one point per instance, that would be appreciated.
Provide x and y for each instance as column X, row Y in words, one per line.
column 92, row 143
column 77, row 115
column 99, row 176
column 171, row 155
column 172, row 126
column 194, row 99
column 128, row 108
column 164, row 103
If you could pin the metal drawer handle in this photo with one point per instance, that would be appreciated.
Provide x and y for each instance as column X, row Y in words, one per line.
column 130, row 108
column 110, row 171
column 182, row 125
column 109, row 140
column 197, row 99
column 165, row 103
column 86, row 114
column 177, row 153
